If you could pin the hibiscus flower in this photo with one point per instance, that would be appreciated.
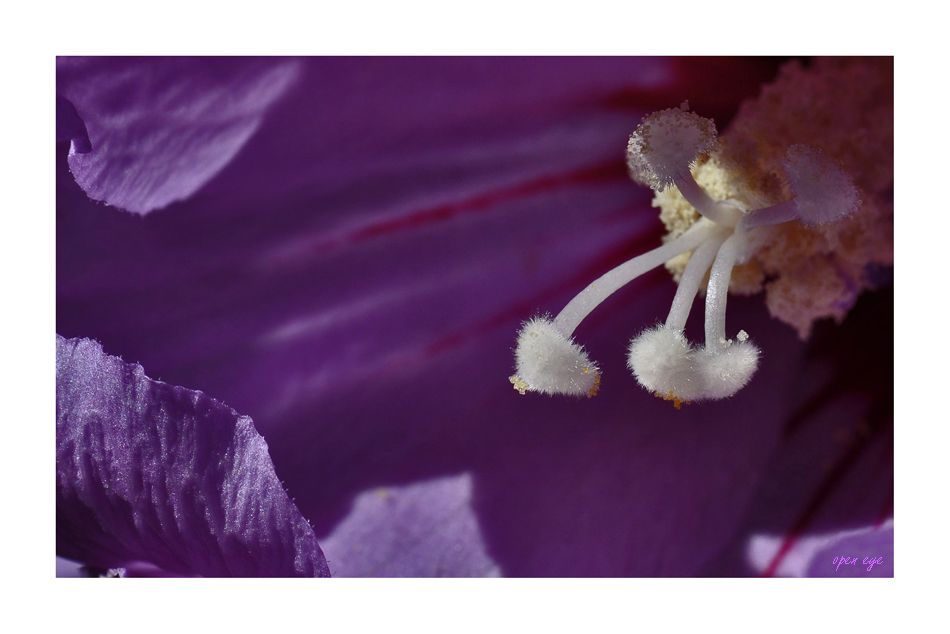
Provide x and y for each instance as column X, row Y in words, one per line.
column 343, row 250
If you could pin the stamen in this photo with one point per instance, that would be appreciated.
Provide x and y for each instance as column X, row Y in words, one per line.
column 660, row 153
column 824, row 193
column 663, row 149
column 661, row 358
column 693, row 274
column 727, row 370
column 724, row 366
column 548, row 361
column 769, row 216
column 718, row 289
column 720, row 213
column 667, row 142
column 608, row 283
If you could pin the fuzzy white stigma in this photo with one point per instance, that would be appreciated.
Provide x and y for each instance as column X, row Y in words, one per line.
column 726, row 369
column 666, row 364
column 663, row 149
column 824, row 193
column 663, row 362
column 661, row 152
column 667, row 143
column 549, row 362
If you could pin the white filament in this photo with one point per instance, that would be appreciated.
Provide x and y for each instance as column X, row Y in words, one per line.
column 660, row 153
column 699, row 262
column 718, row 289
column 721, row 213
column 608, row 283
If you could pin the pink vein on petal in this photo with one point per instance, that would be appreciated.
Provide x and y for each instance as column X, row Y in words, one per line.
column 615, row 169
column 887, row 509
column 591, row 271
column 521, row 309
column 827, row 486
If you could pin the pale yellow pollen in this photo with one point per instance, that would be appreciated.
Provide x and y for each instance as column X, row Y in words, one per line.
column 807, row 273
column 593, row 391
column 519, row 384
column 677, row 401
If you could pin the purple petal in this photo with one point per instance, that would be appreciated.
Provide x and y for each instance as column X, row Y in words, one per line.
column 870, row 551
column 865, row 552
column 68, row 568
column 159, row 129
column 427, row 529
column 361, row 301
column 160, row 478
column 70, row 127
column 833, row 468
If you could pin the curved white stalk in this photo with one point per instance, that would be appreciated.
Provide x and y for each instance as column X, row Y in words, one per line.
column 769, row 216
column 699, row 263
column 718, row 289
column 721, row 213
column 659, row 154
column 608, row 283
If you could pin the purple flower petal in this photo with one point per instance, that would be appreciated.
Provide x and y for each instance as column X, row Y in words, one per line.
column 70, row 127
column 354, row 280
column 865, row 552
column 870, row 551
column 427, row 529
column 159, row 478
column 68, row 568
column 158, row 128
column 833, row 467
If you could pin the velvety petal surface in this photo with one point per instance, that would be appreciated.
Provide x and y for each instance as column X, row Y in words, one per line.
column 157, row 129
column 870, row 551
column 425, row 529
column 863, row 552
column 833, row 469
column 158, row 479
column 354, row 280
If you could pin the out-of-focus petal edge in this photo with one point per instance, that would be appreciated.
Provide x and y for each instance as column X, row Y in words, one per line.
column 151, row 473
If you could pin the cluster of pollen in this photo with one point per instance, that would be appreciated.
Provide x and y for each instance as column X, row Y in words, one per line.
column 669, row 396
column 520, row 385
column 845, row 108
column 728, row 217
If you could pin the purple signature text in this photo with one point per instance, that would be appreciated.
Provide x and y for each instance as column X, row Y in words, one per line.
column 870, row 562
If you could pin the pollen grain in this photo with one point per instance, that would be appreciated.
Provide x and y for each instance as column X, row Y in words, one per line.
column 519, row 384
column 593, row 391
column 677, row 401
